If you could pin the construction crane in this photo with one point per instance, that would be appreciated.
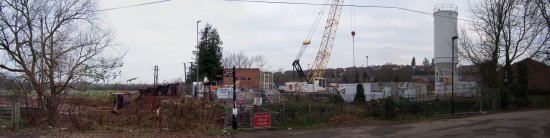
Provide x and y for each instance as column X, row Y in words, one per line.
column 318, row 69
column 296, row 63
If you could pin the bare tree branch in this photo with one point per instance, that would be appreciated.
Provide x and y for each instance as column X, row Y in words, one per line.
column 10, row 69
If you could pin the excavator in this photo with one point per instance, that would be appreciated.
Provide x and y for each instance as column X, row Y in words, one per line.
column 317, row 71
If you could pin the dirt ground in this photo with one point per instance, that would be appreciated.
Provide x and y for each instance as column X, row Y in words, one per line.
column 526, row 124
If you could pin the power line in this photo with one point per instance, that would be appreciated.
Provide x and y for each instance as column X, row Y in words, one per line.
column 135, row 5
column 345, row 5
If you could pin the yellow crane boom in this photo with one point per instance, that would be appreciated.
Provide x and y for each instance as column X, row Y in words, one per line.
column 323, row 55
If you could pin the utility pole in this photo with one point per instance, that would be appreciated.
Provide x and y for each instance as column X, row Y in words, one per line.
column 453, row 75
column 184, row 72
column 156, row 76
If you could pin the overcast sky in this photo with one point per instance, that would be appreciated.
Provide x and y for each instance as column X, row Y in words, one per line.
column 164, row 34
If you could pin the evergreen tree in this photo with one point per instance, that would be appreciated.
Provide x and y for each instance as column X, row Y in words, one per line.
column 413, row 62
column 360, row 95
column 209, row 54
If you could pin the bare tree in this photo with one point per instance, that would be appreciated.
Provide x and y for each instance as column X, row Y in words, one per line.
column 259, row 61
column 52, row 45
column 241, row 60
column 425, row 62
column 525, row 34
column 544, row 8
column 502, row 32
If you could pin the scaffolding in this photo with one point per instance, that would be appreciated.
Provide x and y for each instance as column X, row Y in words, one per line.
column 268, row 88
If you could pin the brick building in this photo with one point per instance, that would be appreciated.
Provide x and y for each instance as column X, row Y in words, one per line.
column 538, row 74
column 245, row 85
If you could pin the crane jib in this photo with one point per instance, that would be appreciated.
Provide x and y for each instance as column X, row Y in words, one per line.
column 327, row 41
column 323, row 55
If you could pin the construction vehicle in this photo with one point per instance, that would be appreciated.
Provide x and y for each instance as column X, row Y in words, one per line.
column 317, row 71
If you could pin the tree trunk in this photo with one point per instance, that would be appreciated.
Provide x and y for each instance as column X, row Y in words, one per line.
column 52, row 108
column 509, row 79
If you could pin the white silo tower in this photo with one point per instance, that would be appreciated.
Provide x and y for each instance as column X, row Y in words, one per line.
column 445, row 28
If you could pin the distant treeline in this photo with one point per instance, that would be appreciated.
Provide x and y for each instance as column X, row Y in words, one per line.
column 380, row 73
column 118, row 86
column 8, row 82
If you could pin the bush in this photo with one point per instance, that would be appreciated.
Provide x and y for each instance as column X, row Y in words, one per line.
column 507, row 99
column 377, row 108
column 299, row 116
column 337, row 99
column 193, row 114
column 390, row 109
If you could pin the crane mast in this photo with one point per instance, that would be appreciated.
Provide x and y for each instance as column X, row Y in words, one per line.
column 323, row 55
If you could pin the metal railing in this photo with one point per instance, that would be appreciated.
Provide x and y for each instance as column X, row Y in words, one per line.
column 298, row 110
column 445, row 7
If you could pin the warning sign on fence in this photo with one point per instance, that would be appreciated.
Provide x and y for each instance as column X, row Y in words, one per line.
column 262, row 120
column 257, row 100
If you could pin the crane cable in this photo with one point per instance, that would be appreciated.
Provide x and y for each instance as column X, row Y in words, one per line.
column 135, row 5
column 359, row 6
column 312, row 30
column 317, row 19
column 352, row 9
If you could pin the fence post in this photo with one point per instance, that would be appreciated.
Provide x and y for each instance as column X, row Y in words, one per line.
column 498, row 100
column 283, row 115
column 15, row 112
column 251, row 118
column 426, row 104
column 480, row 103
column 321, row 113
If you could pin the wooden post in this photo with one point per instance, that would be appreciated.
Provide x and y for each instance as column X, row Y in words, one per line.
column 16, row 117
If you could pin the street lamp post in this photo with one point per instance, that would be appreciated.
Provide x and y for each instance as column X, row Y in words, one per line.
column 367, row 61
column 195, row 92
column 367, row 70
column 453, row 75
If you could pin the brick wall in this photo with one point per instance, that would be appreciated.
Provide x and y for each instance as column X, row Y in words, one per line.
column 252, row 73
column 538, row 74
